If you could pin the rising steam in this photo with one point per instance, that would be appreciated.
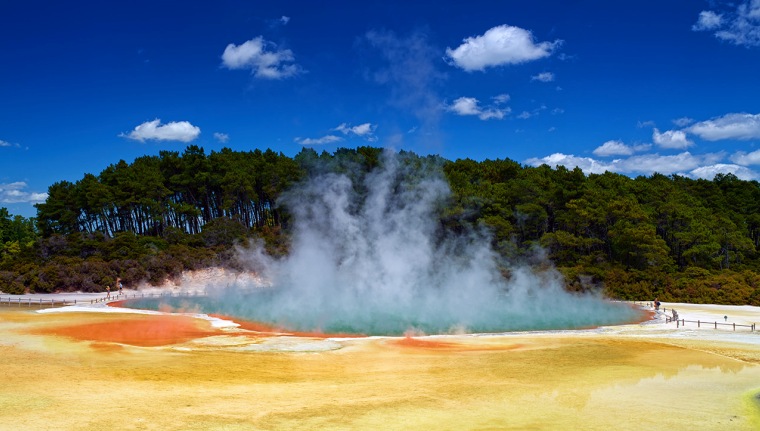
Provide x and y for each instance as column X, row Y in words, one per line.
column 369, row 256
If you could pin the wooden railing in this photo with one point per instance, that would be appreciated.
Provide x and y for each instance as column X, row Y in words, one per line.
column 49, row 303
column 700, row 323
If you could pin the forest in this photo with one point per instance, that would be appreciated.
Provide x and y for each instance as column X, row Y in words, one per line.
column 672, row 237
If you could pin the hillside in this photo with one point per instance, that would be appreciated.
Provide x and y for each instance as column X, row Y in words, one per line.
column 673, row 237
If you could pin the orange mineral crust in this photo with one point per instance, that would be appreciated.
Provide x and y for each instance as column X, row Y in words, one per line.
column 135, row 329
column 265, row 329
column 81, row 371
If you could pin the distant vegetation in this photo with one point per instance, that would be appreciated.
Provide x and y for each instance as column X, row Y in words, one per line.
column 673, row 237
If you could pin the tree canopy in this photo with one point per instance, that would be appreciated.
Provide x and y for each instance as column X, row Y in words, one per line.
column 671, row 236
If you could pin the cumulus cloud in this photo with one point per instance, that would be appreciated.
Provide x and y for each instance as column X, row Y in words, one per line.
column 618, row 148
column 707, row 20
column 646, row 164
column 740, row 26
column 318, row 141
column 672, row 164
column 709, row 172
column 672, row 139
column 181, row 131
column 500, row 99
column 12, row 193
column 471, row 106
column 587, row 164
column 221, row 137
column 740, row 126
column 366, row 130
column 643, row 124
column 543, row 77
column 500, row 45
column 745, row 159
column 524, row 115
column 683, row 121
column 263, row 59
column 4, row 143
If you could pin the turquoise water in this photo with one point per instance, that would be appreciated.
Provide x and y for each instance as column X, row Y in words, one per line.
column 425, row 315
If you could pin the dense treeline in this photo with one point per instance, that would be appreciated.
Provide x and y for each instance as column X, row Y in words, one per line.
column 183, row 192
column 672, row 237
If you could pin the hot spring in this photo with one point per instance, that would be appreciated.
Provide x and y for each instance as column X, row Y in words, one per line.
column 369, row 255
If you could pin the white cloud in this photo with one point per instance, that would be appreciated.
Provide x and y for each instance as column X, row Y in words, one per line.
column 500, row 99
column 284, row 19
column 13, row 193
column 587, row 164
column 683, row 121
column 465, row 106
column 707, row 20
column 524, row 115
column 181, row 131
column 365, row 130
column 643, row 124
column 221, row 137
column 646, row 164
column 470, row 106
column 543, row 77
column 741, row 126
column 319, row 141
column 8, row 144
column 745, row 159
column 673, row 164
column 672, row 139
column 613, row 148
column 740, row 26
column 263, row 63
column 709, row 172
column 498, row 46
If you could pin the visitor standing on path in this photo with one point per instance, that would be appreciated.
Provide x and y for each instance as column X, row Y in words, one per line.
column 108, row 292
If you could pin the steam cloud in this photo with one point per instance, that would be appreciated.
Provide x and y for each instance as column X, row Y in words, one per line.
column 368, row 256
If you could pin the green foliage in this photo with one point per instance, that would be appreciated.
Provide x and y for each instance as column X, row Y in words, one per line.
column 672, row 237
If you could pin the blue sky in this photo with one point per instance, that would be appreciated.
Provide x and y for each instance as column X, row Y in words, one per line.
column 629, row 87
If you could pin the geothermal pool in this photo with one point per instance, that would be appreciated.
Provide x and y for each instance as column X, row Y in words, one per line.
column 426, row 316
column 369, row 255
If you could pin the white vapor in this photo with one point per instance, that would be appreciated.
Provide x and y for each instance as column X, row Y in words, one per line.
column 371, row 257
